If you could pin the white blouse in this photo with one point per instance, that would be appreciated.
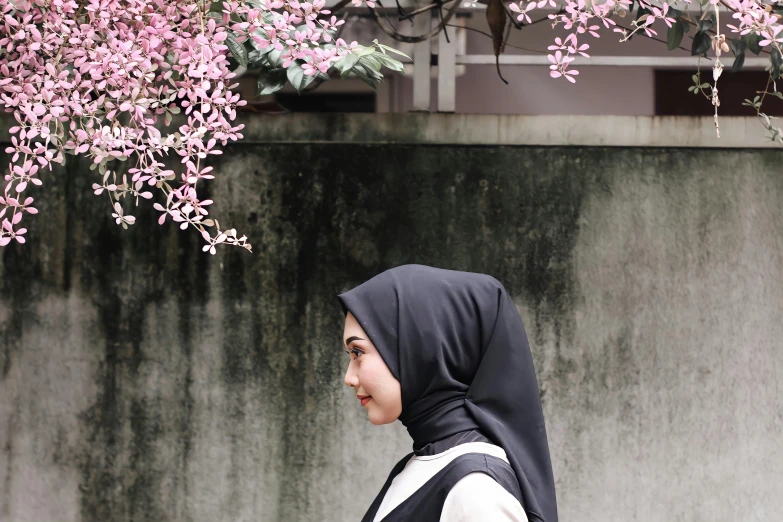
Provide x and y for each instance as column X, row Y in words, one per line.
column 476, row 497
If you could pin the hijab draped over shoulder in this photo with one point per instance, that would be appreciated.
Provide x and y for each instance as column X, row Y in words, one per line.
column 456, row 343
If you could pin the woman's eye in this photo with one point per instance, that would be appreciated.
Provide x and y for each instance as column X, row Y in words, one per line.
column 357, row 352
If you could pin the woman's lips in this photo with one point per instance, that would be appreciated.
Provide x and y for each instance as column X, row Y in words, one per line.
column 366, row 400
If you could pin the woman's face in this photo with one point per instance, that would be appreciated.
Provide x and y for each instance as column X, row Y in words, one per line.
column 368, row 373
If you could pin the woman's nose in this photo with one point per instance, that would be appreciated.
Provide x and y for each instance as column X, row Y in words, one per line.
column 351, row 378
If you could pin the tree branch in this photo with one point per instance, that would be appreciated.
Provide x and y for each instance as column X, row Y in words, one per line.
column 392, row 31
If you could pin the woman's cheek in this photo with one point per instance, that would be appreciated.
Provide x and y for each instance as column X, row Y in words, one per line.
column 370, row 381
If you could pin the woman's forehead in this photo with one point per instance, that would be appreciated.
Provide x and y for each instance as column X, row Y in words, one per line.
column 352, row 326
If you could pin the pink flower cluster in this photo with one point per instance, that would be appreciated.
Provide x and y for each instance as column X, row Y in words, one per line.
column 297, row 32
column 94, row 77
column 581, row 16
column 753, row 17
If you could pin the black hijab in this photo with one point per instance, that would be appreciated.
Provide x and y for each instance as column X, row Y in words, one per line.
column 456, row 343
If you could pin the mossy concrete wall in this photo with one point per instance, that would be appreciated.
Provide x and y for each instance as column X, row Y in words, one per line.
column 143, row 380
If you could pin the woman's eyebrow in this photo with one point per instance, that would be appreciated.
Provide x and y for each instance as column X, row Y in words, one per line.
column 352, row 339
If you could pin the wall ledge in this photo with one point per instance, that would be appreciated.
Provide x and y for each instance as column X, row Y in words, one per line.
column 495, row 129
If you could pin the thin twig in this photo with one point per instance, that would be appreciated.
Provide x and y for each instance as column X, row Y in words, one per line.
column 547, row 52
column 392, row 31
column 489, row 35
column 443, row 22
column 419, row 11
column 510, row 15
column 339, row 5
column 656, row 39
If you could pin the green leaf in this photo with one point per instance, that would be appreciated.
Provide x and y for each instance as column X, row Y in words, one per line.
column 776, row 57
column 260, row 62
column 363, row 51
column 777, row 60
column 372, row 66
column 371, row 61
column 271, row 81
column 706, row 24
column 237, row 50
column 388, row 62
column 345, row 63
column 297, row 77
column 738, row 46
column 701, row 43
column 363, row 75
column 386, row 47
column 739, row 61
column 256, row 54
column 675, row 34
column 274, row 60
column 753, row 39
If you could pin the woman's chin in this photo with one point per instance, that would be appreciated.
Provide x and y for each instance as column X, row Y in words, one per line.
column 376, row 419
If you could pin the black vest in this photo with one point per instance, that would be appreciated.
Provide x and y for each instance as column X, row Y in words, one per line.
column 426, row 503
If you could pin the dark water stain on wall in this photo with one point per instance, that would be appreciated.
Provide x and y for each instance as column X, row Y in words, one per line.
column 332, row 216
column 142, row 481
column 76, row 248
column 322, row 218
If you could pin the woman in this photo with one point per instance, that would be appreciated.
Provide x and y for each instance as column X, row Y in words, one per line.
column 446, row 353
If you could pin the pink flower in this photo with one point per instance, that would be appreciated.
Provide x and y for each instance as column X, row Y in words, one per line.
column 126, row 70
column 771, row 38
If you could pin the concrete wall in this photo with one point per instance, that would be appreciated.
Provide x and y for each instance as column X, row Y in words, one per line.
column 142, row 380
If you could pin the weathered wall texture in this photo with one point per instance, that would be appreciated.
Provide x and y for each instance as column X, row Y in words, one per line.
column 142, row 380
